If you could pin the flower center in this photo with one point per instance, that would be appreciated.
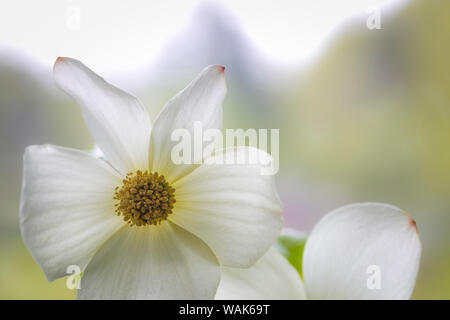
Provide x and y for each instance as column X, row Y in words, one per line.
column 144, row 198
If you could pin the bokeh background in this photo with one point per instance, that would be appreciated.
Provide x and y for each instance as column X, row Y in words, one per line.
column 364, row 114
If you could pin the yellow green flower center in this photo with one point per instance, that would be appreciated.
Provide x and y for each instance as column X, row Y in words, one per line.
column 144, row 198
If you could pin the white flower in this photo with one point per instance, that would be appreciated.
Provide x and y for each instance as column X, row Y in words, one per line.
column 73, row 204
column 360, row 251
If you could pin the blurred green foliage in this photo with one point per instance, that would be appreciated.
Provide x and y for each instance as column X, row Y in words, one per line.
column 292, row 248
column 21, row 278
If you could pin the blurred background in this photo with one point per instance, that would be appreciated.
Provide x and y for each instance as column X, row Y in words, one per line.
column 360, row 91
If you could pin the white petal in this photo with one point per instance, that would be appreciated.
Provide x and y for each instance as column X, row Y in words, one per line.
column 270, row 278
column 157, row 262
column 200, row 101
column 66, row 209
column 362, row 251
column 233, row 208
column 118, row 122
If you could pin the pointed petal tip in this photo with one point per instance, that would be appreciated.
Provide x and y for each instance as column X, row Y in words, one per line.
column 60, row 59
column 217, row 68
column 411, row 222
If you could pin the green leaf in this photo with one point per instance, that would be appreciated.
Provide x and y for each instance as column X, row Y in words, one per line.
column 291, row 245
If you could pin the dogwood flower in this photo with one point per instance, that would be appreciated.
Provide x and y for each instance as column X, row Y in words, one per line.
column 360, row 251
column 139, row 226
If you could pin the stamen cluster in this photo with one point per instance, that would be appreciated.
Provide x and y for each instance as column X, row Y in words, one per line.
column 144, row 199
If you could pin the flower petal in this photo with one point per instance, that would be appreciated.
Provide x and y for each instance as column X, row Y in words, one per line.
column 362, row 251
column 271, row 278
column 200, row 101
column 66, row 209
column 118, row 122
column 158, row 262
column 232, row 207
